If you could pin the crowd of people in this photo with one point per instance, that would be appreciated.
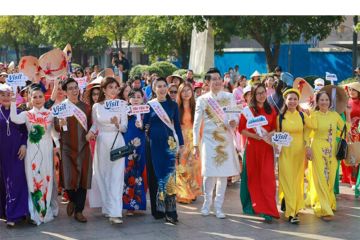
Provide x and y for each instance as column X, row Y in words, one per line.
column 195, row 136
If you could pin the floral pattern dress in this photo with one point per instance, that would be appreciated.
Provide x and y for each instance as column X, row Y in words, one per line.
column 38, row 161
column 135, row 184
column 163, row 149
column 324, row 162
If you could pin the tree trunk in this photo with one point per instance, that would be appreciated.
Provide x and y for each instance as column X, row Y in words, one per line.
column 272, row 56
column 17, row 51
column 129, row 54
column 120, row 42
column 184, row 52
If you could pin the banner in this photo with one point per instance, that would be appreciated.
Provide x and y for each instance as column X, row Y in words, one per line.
column 16, row 80
column 115, row 105
column 137, row 110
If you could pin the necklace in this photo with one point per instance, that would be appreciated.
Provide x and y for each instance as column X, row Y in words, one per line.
column 7, row 123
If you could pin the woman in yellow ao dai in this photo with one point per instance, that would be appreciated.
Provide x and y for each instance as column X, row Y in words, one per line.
column 292, row 157
column 323, row 154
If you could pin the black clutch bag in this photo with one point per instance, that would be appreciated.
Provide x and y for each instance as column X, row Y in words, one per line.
column 342, row 149
column 116, row 154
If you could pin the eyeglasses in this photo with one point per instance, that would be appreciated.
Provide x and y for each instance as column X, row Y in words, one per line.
column 73, row 88
column 173, row 92
column 260, row 93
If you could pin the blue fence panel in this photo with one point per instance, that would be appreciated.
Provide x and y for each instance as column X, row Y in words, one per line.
column 298, row 61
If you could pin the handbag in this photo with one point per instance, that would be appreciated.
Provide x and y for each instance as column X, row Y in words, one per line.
column 116, row 154
column 342, row 148
column 353, row 154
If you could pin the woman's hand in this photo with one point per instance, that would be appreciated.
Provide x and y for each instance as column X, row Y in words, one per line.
column 90, row 136
column 114, row 120
column 22, row 152
column 139, row 124
column 62, row 122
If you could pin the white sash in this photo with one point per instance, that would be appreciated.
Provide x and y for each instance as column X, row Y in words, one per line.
column 79, row 114
column 220, row 114
column 248, row 115
column 161, row 113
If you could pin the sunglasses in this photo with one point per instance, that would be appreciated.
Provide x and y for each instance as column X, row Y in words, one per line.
column 173, row 92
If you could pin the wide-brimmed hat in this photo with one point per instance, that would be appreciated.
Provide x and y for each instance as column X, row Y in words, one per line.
column 246, row 89
column 306, row 92
column 292, row 90
column 4, row 87
column 53, row 63
column 3, row 73
column 341, row 97
column 354, row 85
column 255, row 74
column 68, row 52
column 171, row 77
column 29, row 65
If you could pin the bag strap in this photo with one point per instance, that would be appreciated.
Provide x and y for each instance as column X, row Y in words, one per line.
column 342, row 132
column 281, row 118
column 114, row 140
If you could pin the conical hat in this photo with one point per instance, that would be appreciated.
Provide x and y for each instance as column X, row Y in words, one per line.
column 53, row 63
column 341, row 97
column 11, row 65
column 306, row 92
column 29, row 66
column 255, row 74
column 68, row 52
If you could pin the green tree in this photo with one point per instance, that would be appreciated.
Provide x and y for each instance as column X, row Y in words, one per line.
column 269, row 31
column 114, row 28
column 60, row 30
column 164, row 36
column 20, row 31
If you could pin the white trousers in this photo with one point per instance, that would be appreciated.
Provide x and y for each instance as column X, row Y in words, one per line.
column 209, row 184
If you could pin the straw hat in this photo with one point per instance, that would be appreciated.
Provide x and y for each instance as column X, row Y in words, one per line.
column 292, row 90
column 341, row 97
column 175, row 76
column 246, row 89
column 68, row 51
column 53, row 63
column 354, row 85
column 29, row 66
column 306, row 92
column 255, row 74
column 4, row 87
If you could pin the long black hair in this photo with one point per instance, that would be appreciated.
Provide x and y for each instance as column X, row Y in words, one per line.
column 253, row 102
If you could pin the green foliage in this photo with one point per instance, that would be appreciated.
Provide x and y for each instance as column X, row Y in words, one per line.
column 181, row 72
column 137, row 70
column 166, row 67
column 269, row 31
column 348, row 80
column 357, row 27
column 155, row 69
column 310, row 79
column 114, row 28
column 60, row 30
column 164, row 36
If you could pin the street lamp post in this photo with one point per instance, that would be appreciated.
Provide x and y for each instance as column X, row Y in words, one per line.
column 354, row 49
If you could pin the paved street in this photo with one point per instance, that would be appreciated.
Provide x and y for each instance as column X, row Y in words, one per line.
column 193, row 226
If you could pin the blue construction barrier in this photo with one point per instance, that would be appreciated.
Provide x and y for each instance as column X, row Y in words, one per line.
column 293, row 58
